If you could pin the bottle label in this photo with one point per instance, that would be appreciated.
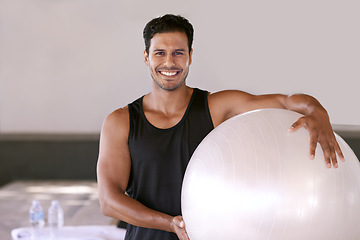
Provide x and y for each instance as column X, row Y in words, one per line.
column 37, row 216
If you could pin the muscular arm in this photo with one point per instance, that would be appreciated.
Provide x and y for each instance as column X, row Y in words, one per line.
column 113, row 171
column 226, row 104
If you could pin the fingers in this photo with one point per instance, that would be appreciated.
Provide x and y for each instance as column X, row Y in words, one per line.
column 329, row 155
column 324, row 136
column 331, row 150
column 301, row 122
column 179, row 222
column 180, row 228
column 298, row 124
column 339, row 152
column 329, row 146
column 313, row 145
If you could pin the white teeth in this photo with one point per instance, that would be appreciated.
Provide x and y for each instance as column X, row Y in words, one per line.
column 169, row 73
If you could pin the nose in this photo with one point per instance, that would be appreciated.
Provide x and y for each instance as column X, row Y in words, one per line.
column 169, row 61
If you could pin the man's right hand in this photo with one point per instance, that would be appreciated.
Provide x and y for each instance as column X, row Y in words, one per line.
column 178, row 226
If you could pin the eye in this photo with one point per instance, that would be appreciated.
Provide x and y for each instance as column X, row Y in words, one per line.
column 159, row 53
column 178, row 53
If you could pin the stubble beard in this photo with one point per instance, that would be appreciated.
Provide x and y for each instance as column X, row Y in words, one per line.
column 172, row 88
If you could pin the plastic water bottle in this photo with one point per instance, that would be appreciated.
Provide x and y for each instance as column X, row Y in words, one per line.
column 55, row 218
column 36, row 215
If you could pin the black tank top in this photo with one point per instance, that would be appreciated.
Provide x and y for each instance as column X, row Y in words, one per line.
column 159, row 158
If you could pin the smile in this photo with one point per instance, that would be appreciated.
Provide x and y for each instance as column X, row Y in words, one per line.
column 169, row 74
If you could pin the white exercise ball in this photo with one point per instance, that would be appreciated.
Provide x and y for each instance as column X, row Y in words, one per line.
column 252, row 179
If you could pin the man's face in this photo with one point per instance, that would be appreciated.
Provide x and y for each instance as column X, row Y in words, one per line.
column 169, row 60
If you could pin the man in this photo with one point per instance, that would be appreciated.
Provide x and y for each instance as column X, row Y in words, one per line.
column 145, row 146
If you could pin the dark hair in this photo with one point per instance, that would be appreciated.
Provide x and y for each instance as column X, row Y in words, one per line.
column 168, row 23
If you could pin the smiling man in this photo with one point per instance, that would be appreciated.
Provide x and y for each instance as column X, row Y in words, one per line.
column 169, row 67
column 146, row 146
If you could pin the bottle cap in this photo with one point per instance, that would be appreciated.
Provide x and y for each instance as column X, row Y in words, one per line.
column 54, row 203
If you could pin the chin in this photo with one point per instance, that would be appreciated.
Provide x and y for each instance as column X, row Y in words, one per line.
column 170, row 87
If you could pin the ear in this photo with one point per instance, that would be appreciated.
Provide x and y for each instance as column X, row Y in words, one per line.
column 146, row 58
column 190, row 56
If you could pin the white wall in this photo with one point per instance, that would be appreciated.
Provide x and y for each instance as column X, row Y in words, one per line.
column 66, row 64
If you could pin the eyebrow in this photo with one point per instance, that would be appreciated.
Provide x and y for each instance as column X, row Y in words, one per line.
column 163, row 50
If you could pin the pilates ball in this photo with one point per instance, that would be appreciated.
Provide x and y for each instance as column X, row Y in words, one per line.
column 252, row 179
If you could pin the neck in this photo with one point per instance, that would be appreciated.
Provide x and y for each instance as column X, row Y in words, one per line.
column 168, row 102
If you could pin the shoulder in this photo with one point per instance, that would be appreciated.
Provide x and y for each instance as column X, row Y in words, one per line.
column 226, row 96
column 228, row 103
column 116, row 123
column 119, row 116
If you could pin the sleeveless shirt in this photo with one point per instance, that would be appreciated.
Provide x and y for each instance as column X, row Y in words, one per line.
column 159, row 158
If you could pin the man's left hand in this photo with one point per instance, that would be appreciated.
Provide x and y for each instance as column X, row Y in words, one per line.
column 320, row 130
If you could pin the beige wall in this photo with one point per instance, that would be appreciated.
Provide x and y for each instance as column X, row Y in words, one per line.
column 65, row 64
